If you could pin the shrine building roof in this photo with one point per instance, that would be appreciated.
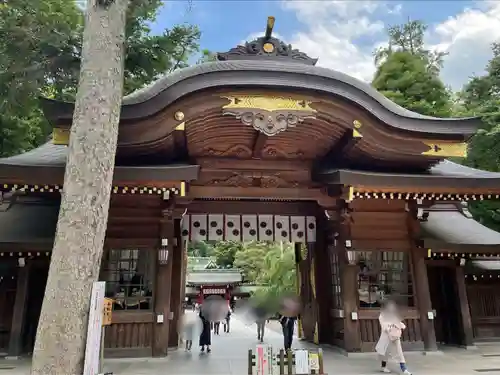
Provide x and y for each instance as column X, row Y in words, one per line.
column 450, row 226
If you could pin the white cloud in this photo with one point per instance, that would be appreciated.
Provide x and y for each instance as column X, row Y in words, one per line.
column 333, row 28
column 467, row 37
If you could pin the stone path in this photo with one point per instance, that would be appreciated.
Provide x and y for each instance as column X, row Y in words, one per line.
column 229, row 357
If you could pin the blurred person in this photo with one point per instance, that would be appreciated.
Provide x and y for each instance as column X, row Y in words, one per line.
column 206, row 334
column 191, row 326
column 217, row 327
column 261, row 327
column 288, row 327
column 227, row 321
column 389, row 343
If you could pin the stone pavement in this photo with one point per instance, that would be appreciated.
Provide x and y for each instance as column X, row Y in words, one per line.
column 229, row 357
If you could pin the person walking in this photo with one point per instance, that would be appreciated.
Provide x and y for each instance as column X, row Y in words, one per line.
column 288, row 326
column 206, row 334
column 261, row 327
column 389, row 343
column 227, row 321
column 189, row 327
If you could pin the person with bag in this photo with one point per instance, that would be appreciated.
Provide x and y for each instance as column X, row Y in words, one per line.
column 389, row 343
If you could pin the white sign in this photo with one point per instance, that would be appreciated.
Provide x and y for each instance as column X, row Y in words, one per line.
column 301, row 362
column 314, row 361
column 214, row 291
column 94, row 331
column 264, row 360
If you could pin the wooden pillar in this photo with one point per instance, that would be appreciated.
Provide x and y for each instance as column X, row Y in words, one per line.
column 177, row 287
column 348, row 279
column 163, row 290
column 421, row 281
column 468, row 333
column 19, row 312
column 349, row 282
column 323, row 272
column 423, row 295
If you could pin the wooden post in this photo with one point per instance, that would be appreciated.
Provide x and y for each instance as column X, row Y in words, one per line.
column 19, row 313
column 162, row 291
column 423, row 298
column 349, row 282
column 176, row 286
column 468, row 333
column 323, row 272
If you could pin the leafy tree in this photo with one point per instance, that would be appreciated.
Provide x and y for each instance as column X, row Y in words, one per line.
column 481, row 97
column 279, row 273
column 250, row 259
column 409, row 37
column 207, row 56
column 225, row 252
column 404, row 78
column 40, row 48
column 200, row 249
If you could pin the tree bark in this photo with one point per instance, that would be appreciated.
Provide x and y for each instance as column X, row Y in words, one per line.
column 76, row 257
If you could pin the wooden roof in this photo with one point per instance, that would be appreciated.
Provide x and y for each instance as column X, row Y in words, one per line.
column 452, row 228
column 444, row 177
column 267, row 101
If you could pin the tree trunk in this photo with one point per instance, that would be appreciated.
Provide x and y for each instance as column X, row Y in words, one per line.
column 77, row 253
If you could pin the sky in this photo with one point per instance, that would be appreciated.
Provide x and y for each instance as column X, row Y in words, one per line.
column 344, row 34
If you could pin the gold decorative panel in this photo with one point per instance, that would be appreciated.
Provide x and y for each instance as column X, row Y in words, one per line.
column 269, row 114
column 60, row 136
column 446, row 149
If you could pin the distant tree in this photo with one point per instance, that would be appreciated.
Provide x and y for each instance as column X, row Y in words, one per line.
column 278, row 276
column 404, row 78
column 409, row 37
column 225, row 252
column 481, row 97
column 200, row 249
column 250, row 259
column 207, row 56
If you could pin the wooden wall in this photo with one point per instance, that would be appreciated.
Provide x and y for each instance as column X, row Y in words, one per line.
column 134, row 223
column 484, row 302
column 382, row 225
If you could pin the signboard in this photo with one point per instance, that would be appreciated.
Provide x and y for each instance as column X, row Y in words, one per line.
column 108, row 311
column 214, row 291
column 94, row 331
column 314, row 361
column 264, row 360
column 301, row 362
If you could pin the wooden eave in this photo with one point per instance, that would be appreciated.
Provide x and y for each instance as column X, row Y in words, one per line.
column 449, row 227
column 439, row 183
column 46, row 166
column 270, row 75
column 173, row 116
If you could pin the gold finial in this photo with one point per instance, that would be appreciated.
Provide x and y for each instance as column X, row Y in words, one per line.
column 270, row 26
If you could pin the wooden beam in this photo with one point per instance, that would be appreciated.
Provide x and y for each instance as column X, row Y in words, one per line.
column 258, row 144
column 253, row 207
column 338, row 153
column 299, row 194
column 180, row 142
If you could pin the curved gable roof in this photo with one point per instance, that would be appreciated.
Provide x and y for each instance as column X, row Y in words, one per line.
column 273, row 75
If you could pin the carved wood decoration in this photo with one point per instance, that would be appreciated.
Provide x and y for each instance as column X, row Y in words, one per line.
column 220, row 227
column 269, row 115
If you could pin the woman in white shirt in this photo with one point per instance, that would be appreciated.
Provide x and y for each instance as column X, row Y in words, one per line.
column 389, row 343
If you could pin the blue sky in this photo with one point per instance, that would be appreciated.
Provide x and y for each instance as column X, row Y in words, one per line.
column 343, row 34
